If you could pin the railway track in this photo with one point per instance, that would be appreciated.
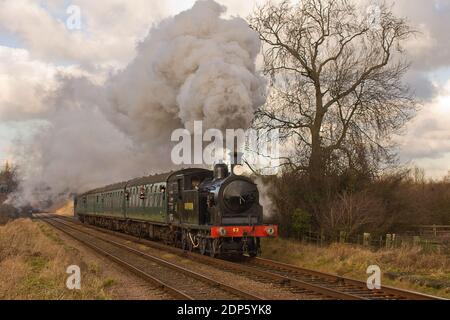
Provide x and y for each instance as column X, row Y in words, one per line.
column 177, row 281
column 297, row 280
column 339, row 283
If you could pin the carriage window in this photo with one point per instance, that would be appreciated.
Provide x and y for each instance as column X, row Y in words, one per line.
column 179, row 187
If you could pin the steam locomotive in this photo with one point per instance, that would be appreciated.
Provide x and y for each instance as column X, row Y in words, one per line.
column 212, row 212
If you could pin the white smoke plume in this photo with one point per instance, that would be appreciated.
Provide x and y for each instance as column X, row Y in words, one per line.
column 264, row 188
column 193, row 66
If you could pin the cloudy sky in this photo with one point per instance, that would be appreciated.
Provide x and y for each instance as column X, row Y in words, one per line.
column 37, row 47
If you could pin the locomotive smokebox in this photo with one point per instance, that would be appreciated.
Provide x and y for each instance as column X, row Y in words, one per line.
column 221, row 171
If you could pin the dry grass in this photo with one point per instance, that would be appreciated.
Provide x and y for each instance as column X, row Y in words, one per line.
column 33, row 262
column 409, row 268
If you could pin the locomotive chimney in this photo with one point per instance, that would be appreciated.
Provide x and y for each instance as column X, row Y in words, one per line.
column 236, row 158
column 220, row 171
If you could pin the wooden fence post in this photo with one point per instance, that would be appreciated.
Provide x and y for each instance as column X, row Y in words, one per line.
column 388, row 241
column 342, row 237
column 366, row 240
column 416, row 240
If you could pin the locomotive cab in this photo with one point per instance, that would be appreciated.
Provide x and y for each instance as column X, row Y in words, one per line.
column 184, row 205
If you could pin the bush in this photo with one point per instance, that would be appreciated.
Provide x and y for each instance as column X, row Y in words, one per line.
column 301, row 222
column 7, row 213
column 391, row 203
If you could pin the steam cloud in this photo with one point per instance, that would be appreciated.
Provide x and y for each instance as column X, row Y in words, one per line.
column 193, row 66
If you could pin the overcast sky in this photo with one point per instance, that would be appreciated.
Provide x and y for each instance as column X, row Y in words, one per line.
column 37, row 47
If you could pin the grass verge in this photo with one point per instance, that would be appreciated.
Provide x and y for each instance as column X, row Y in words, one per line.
column 33, row 263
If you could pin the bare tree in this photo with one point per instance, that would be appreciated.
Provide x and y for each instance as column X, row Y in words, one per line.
column 336, row 95
column 351, row 213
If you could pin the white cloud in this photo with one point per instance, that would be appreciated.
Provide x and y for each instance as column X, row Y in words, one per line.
column 108, row 36
column 427, row 142
column 431, row 18
column 110, row 29
column 23, row 83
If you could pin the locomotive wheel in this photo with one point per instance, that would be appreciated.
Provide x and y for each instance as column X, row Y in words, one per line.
column 184, row 241
column 173, row 239
column 203, row 246
column 190, row 246
column 213, row 248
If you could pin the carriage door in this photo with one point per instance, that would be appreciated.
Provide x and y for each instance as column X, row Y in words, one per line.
column 175, row 200
column 126, row 201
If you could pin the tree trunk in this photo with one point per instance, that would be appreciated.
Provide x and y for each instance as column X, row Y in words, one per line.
column 317, row 159
column 317, row 168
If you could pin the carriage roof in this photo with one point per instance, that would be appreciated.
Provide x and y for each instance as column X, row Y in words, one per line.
column 157, row 178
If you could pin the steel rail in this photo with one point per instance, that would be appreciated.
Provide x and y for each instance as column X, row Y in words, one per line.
column 385, row 291
column 177, row 268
